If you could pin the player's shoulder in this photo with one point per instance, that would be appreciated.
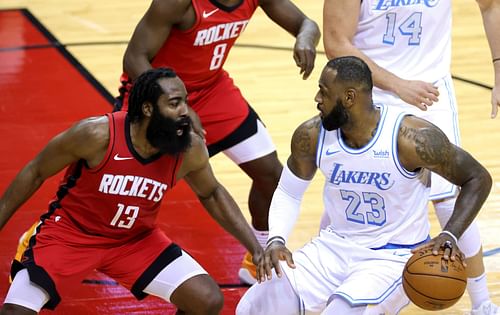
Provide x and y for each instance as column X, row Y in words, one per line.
column 169, row 10
column 310, row 127
column 92, row 128
column 175, row 5
column 195, row 157
column 305, row 136
column 197, row 151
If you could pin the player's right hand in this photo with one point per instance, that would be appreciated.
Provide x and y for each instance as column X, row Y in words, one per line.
column 417, row 93
column 275, row 252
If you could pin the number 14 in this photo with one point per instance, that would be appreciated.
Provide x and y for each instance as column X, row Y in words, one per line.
column 411, row 27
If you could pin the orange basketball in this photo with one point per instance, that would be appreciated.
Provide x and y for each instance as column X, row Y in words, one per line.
column 433, row 283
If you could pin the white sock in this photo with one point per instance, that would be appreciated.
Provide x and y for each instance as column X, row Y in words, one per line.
column 261, row 236
column 478, row 290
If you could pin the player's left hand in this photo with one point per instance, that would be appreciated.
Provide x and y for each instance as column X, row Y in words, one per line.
column 304, row 54
column 448, row 244
column 495, row 101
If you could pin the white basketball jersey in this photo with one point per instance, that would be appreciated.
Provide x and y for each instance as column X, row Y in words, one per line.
column 410, row 38
column 368, row 196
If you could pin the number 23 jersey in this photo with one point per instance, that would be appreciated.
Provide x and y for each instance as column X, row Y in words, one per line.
column 368, row 196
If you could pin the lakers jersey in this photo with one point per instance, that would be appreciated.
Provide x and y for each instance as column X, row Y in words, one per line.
column 412, row 39
column 369, row 197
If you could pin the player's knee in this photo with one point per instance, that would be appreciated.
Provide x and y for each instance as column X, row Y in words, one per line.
column 213, row 303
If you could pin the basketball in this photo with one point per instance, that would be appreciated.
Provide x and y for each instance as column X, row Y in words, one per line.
column 433, row 283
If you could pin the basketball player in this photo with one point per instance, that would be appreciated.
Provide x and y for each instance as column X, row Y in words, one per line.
column 194, row 38
column 376, row 161
column 407, row 45
column 103, row 216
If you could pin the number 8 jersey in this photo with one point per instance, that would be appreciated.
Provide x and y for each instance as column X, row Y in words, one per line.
column 198, row 53
column 400, row 35
column 368, row 196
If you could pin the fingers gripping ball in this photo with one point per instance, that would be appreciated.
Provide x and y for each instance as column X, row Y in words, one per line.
column 433, row 283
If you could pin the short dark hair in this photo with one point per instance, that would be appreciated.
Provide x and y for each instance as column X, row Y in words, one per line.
column 146, row 89
column 351, row 69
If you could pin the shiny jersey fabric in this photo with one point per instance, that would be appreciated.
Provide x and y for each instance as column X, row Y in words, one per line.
column 198, row 54
column 368, row 196
column 410, row 38
column 119, row 199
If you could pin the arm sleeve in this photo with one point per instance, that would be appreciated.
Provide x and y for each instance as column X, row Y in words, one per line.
column 285, row 205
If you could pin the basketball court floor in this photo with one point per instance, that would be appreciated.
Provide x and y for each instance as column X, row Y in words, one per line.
column 60, row 62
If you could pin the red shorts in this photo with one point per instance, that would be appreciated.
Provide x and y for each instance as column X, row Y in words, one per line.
column 220, row 106
column 54, row 263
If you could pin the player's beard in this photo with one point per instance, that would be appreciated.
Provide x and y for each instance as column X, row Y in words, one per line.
column 336, row 118
column 168, row 135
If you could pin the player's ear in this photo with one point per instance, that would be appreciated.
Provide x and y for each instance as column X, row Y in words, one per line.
column 147, row 109
column 349, row 97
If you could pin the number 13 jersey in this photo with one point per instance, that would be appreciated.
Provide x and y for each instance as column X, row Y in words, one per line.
column 119, row 199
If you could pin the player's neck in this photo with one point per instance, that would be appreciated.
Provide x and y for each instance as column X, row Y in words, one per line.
column 361, row 129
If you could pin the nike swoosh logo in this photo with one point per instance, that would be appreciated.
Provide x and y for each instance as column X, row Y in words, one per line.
column 119, row 158
column 207, row 14
column 328, row 152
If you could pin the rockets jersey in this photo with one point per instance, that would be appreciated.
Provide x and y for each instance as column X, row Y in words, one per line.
column 198, row 54
column 369, row 197
column 412, row 39
column 118, row 199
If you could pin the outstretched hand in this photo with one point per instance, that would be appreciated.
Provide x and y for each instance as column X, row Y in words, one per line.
column 417, row 93
column 304, row 54
column 444, row 241
column 274, row 252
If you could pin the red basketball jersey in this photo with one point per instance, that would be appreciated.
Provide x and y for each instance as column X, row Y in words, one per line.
column 198, row 54
column 119, row 199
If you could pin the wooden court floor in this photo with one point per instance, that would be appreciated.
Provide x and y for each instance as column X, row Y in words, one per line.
column 96, row 33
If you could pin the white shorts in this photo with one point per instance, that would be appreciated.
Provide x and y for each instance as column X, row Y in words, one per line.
column 332, row 266
column 252, row 148
column 443, row 114
column 25, row 293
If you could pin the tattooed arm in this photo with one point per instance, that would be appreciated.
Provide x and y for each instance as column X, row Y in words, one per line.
column 302, row 160
column 285, row 205
column 423, row 145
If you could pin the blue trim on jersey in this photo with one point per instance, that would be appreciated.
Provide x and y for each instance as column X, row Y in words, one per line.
column 383, row 115
column 398, row 246
column 395, row 155
column 319, row 145
column 376, row 300
column 454, row 109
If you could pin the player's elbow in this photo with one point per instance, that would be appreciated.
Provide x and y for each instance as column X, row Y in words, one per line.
column 335, row 46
